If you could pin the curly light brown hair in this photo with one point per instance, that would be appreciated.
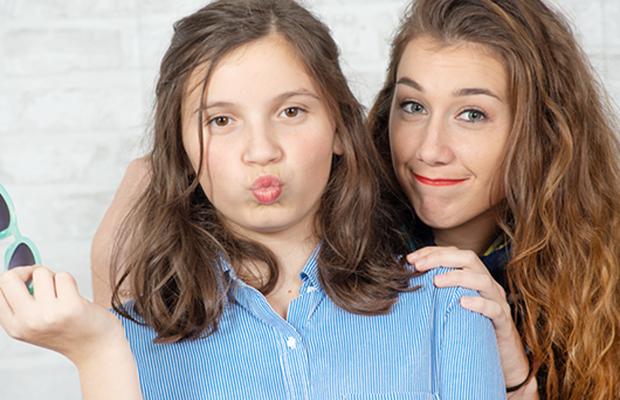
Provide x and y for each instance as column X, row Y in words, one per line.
column 561, row 180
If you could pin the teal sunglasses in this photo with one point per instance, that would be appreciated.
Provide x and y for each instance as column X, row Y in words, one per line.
column 22, row 251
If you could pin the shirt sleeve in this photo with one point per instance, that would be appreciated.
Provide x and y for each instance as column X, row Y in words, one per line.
column 468, row 360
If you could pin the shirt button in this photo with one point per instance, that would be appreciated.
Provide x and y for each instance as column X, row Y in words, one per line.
column 291, row 343
column 311, row 289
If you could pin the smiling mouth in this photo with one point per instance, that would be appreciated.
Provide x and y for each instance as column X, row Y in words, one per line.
column 266, row 189
column 438, row 182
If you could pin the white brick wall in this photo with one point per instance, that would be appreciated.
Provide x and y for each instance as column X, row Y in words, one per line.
column 76, row 80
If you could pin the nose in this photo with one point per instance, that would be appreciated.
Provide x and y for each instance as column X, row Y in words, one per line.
column 435, row 149
column 262, row 145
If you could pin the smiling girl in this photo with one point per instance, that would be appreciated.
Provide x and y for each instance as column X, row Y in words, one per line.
column 259, row 260
column 508, row 156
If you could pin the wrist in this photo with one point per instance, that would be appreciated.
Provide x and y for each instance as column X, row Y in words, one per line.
column 518, row 375
column 521, row 379
column 528, row 392
column 103, row 350
column 110, row 374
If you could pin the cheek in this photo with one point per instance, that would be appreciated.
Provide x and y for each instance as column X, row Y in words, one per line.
column 191, row 145
column 483, row 158
column 404, row 143
column 314, row 156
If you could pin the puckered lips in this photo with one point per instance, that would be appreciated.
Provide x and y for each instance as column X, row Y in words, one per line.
column 266, row 189
column 438, row 181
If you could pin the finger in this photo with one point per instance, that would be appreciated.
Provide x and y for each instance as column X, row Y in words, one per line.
column 481, row 282
column 66, row 287
column 7, row 317
column 451, row 258
column 15, row 290
column 420, row 253
column 43, row 284
column 22, row 273
column 5, row 308
column 488, row 308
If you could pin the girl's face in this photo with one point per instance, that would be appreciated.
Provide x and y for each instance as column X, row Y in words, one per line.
column 269, row 140
column 449, row 123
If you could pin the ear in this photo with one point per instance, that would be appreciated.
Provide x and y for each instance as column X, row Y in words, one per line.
column 338, row 148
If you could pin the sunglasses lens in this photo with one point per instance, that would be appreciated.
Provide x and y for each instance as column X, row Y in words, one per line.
column 5, row 216
column 22, row 256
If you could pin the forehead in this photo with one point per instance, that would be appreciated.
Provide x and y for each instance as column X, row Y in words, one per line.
column 258, row 70
column 460, row 65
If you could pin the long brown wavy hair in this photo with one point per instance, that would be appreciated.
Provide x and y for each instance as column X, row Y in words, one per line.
column 561, row 179
column 168, row 248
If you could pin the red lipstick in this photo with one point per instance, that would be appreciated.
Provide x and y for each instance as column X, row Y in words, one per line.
column 266, row 189
column 437, row 182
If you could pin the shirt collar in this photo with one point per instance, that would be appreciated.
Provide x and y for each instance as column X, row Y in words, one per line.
column 309, row 272
column 499, row 243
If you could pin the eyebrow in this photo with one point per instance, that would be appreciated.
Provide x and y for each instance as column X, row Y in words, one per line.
column 299, row 92
column 279, row 98
column 458, row 93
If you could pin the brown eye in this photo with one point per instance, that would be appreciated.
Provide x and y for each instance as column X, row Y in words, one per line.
column 220, row 121
column 291, row 112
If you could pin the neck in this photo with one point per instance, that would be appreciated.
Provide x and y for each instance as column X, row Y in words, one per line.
column 291, row 248
column 476, row 234
column 291, row 253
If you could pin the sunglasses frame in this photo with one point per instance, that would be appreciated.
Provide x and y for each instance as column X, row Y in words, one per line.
column 13, row 230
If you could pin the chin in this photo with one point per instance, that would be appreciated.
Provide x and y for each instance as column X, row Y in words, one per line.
column 439, row 222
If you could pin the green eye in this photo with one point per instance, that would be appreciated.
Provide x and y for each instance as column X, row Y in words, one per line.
column 412, row 107
column 473, row 116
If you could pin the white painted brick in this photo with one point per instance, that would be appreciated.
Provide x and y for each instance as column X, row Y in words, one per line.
column 36, row 159
column 154, row 35
column 32, row 51
column 175, row 9
column 29, row 9
column 612, row 25
column 70, row 110
column 587, row 21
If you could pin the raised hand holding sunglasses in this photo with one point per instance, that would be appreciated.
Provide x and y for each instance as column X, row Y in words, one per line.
column 44, row 308
column 22, row 251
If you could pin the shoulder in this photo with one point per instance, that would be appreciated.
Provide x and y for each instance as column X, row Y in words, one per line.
column 134, row 325
column 445, row 299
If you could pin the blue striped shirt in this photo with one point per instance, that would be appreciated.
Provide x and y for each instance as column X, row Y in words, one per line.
column 427, row 347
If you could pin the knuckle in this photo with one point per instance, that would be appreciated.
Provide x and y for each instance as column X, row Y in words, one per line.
column 502, row 291
column 487, row 280
column 26, row 329
column 40, row 271
column 507, row 310
column 51, row 319
column 471, row 257
column 496, row 310
column 65, row 276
